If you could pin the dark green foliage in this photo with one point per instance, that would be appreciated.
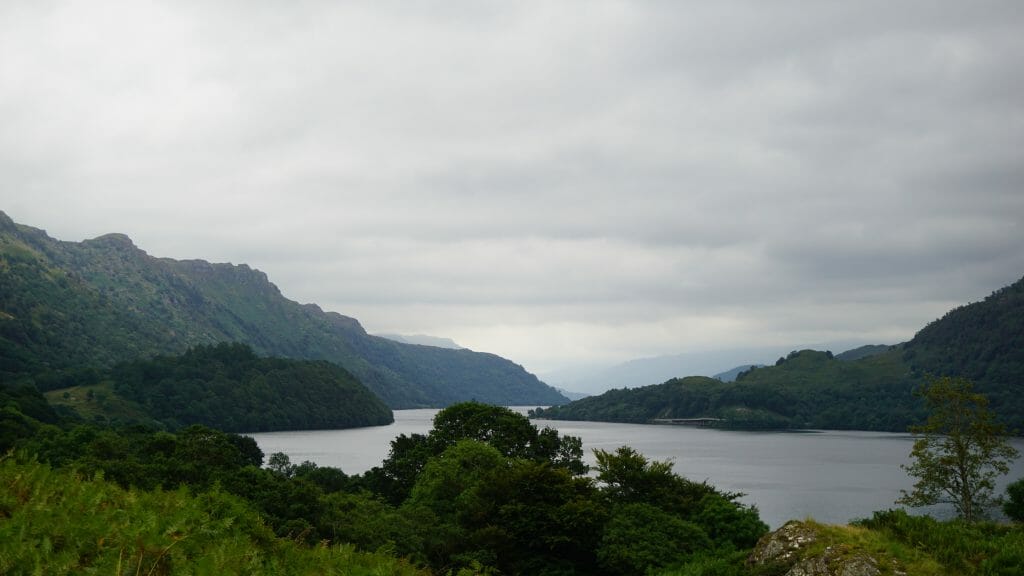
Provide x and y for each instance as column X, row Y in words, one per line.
column 525, row 516
column 229, row 387
column 69, row 308
column 720, row 563
column 507, row 431
column 1014, row 505
column 628, row 477
column 395, row 477
column 728, row 524
column 23, row 410
column 141, row 457
column 447, row 477
column 498, row 494
column 539, row 519
column 29, row 402
column 983, row 342
column 521, row 515
column 368, row 522
column 641, row 537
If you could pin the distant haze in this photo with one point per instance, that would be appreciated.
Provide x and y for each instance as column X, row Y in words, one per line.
column 658, row 369
column 567, row 184
column 422, row 340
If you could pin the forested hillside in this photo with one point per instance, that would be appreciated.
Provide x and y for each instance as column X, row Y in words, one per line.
column 808, row 389
column 983, row 341
column 228, row 387
column 867, row 389
column 67, row 309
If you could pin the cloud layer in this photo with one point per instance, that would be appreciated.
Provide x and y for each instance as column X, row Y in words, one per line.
column 558, row 183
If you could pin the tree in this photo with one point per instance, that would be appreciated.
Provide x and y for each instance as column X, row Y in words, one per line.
column 281, row 464
column 509, row 432
column 1014, row 506
column 640, row 537
column 629, row 477
column 958, row 452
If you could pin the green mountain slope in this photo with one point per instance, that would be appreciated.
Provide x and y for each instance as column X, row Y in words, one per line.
column 68, row 307
column 810, row 389
column 983, row 341
column 228, row 387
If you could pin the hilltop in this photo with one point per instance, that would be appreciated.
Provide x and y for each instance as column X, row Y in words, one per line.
column 869, row 388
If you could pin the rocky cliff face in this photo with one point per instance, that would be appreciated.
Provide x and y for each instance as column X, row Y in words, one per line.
column 806, row 549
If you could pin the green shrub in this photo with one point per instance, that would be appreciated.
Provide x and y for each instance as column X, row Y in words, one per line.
column 1014, row 505
column 963, row 548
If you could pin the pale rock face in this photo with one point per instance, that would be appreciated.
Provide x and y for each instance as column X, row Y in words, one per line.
column 791, row 546
column 783, row 546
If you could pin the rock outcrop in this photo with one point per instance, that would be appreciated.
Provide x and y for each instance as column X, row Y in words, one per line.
column 803, row 549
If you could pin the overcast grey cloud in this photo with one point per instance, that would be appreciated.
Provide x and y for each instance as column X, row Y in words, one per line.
column 556, row 182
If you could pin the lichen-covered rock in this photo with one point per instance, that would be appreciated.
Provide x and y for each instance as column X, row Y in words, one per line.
column 783, row 546
column 801, row 549
column 830, row 563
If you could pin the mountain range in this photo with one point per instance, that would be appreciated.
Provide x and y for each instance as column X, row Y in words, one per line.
column 867, row 388
column 69, row 308
column 591, row 379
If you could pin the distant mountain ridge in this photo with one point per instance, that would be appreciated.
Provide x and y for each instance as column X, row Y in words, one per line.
column 655, row 369
column 867, row 388
column 730, row 375
column 423, row 340
column 65, row 306
column 863, row 352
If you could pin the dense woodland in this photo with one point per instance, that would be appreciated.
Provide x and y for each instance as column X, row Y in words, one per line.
column 983, row 342
column 807, row 389
column 228, row 387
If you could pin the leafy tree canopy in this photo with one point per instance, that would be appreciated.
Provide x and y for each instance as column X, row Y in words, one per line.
column 958, row 452
column 505, row 430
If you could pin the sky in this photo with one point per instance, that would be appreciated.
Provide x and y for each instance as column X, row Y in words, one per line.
column 563, row 183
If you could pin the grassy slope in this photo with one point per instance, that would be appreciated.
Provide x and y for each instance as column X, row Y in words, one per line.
column 57, row 523
column 100, row 403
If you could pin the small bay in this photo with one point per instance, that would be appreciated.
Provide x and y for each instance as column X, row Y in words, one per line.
column 831, row 476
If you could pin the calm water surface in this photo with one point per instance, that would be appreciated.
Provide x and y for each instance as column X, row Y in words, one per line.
column 830, row 476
